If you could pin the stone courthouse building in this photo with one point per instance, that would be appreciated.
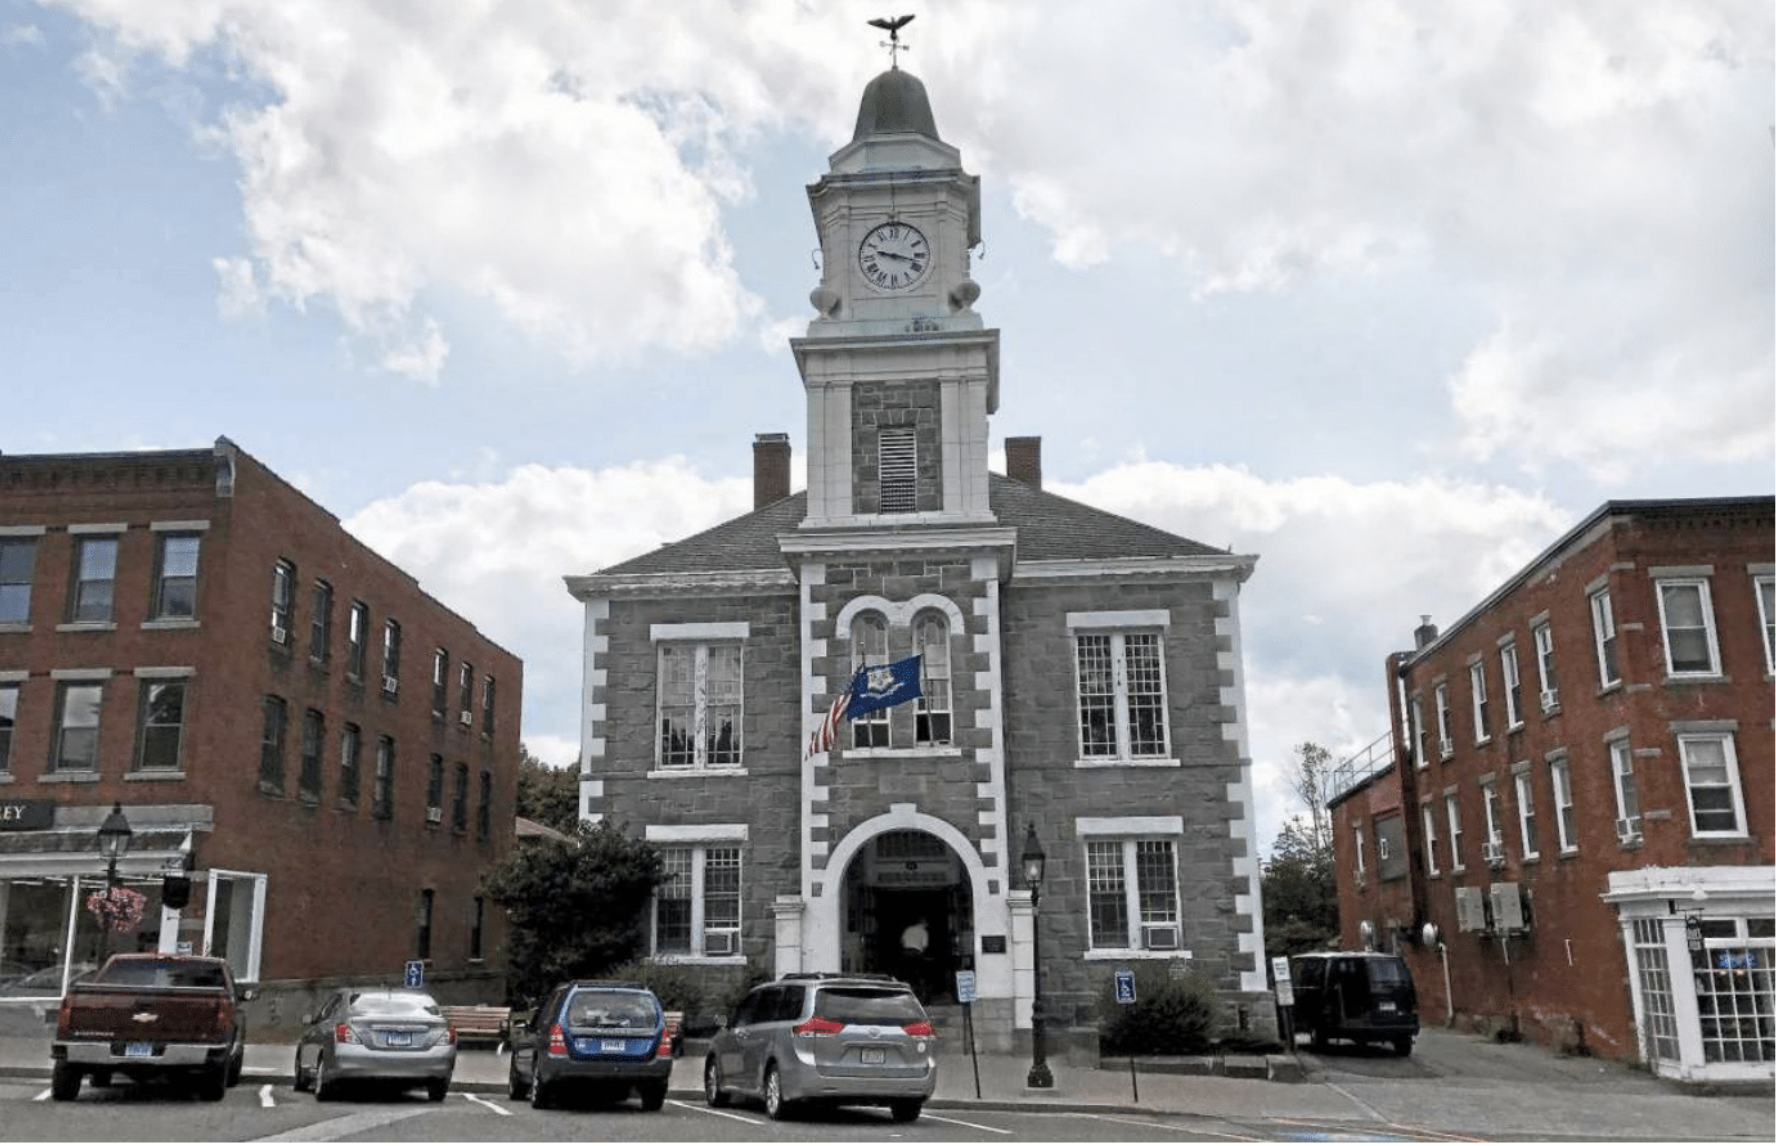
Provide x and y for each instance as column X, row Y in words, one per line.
column 1081, row 673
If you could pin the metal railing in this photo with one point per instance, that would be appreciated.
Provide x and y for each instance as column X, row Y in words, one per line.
column 1373, row 760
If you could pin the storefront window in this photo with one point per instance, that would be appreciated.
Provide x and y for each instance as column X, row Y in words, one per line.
column 1736, row 990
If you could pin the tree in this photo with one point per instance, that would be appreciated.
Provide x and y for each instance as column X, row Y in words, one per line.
column 574, row 909
column 547, row 794
column 1310, row 778
column 1300, row 893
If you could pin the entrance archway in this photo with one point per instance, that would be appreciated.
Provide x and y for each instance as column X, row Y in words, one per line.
column 908, row 911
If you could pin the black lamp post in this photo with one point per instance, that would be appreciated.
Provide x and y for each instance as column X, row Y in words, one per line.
column 1035, row 862
column 114, row 840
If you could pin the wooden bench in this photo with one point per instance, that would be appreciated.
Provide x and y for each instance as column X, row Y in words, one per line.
column 481, row 1024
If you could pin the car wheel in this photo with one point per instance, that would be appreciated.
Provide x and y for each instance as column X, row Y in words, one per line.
column 1403, row 1045
column 437, row 1088
column 906, row 1109
column 516, row 1088
column 539, row 1098
column 775, row 1107
column 301, row 1081
column 713, row 1093
column 653, row 1097
column 64, row 1083
column 325, row 1089
column 212, row 1084
column 237, row 1064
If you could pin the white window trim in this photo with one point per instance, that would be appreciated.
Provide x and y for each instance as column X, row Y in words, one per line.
column 1124, row 726
column 1544, row 646
column 1603, row 617
column 1620, row 750
column 1707, row 602
column 699, row 838
column 1511, row 680
column 1429, row 815
column 1491, row 808
column 1415, row 719
column 1524, row 784
column 1452, row 814
column 1477, row 693
column 1759, row 582
column 1361, row 869
column 1121, row 619
column 1445, row 740
column 723, row 634
column 1130, row 831
column 1731, row 755
column 1560, row 781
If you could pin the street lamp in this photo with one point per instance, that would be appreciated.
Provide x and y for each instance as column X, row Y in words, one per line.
column 114, row 840
column 1035, row 861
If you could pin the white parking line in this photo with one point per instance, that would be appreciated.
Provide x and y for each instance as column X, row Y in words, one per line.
column 493, row 1106
column 717, row 1113
column 265, row 1098
column 44, row 1097
column 929, row 1117
column 348, row 1126
column 1193, row 1131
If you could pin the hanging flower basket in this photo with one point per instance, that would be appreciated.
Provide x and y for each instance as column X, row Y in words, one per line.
column 119, row 909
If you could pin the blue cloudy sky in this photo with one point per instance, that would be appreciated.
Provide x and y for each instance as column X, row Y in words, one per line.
column 1387, row 292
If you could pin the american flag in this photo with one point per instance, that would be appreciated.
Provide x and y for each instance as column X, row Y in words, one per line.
column 822, row 740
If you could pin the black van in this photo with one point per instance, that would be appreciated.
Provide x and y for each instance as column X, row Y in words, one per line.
column 1364, row 996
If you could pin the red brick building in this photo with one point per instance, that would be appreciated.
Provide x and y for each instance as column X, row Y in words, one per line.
column 1580, row 797
column 284, row 717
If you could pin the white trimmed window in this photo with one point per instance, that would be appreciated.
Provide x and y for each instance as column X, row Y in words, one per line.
column 1445, row 739
column 1711, row 778
column 391, row 657
column 1544, row 639
column 9, row 696
column 1686, row 617
column 161, row 725
column 1495, row 820
column 77, row 727
column 283, row 601
column 1627, row 790
column 1513, row 685
column 1603, row 628
column 869, row 648
column 1122, row 696
column 700, row 704
column 18, row 555
column 1766, row 600
column 1565, row 821
column 1452, row 812
column 1526, row 815
column 932, row 722
column 1430, row 829
column 1416, row 721
column 175, row 579
column 95, row 580
column 697, row 909
column 1482, row 706
column 1361, row 860
column 897, row 459
column 1132, row 890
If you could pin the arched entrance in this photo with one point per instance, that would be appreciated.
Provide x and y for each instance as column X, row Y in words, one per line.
column 908, row 911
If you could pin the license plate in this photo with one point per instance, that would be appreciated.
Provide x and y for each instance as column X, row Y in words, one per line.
column 139, row 1050
column 397, row 1038
column 872, row 1057
column 1387, row 1008
column 614, row 1046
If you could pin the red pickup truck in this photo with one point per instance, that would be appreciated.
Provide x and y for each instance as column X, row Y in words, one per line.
column 145, row 1016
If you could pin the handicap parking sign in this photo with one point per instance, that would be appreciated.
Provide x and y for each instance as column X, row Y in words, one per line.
column 1125, row 985
column 415, row 973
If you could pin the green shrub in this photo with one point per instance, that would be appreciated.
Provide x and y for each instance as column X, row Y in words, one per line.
column 680, row 988
column 1168, row 1016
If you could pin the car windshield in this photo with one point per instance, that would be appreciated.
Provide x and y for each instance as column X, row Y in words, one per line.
column 161, row 973
column 1387, row 973
column 609, row 1009
column 381, row 1003
column 868, row 1005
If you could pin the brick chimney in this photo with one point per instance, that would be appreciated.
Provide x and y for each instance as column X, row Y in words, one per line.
column 1023, row 460
column 1425, row 633
column 770, row 469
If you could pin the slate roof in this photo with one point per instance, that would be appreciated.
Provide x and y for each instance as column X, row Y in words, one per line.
column 1049, row 528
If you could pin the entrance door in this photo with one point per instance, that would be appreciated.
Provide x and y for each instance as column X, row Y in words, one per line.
column 909, row 913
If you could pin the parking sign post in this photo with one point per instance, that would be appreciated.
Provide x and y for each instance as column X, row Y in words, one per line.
column 965, row 993
column 1125, row 996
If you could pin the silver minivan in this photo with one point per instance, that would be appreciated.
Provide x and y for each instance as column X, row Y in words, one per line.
column 818, row 1038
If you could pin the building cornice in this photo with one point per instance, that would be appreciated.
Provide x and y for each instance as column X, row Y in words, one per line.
column 718, row 583
column 1207, row 566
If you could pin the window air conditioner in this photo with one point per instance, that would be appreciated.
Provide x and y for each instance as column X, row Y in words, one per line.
column 1159, row 936
column 465, row 718
column 1550, row 699
column 280, row 635
column 1628, row 829
column 1493, row 852
column 1446, row 747
column 391, row 684
column 1470, row 909
column 720, row 942
column 434, row 815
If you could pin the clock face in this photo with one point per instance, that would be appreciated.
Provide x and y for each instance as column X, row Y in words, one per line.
column 894, row 256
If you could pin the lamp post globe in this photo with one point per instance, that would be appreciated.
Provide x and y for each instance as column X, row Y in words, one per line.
column 114, row 841
column 1035, row 863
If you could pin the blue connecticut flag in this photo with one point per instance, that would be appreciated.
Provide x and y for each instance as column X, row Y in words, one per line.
column 883, row 686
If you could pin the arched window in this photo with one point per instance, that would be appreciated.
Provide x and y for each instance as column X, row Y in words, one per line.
column 869, row 647
column 931, row 640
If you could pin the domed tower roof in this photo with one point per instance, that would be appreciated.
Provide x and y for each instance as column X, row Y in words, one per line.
column 895, row 102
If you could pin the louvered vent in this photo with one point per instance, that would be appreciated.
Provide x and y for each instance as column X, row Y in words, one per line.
column 899, row 470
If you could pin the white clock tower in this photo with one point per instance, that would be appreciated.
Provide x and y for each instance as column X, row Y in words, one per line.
column 900, row 371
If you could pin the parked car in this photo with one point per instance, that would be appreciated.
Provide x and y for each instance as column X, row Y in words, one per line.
column 46, row 982
column 592, row 1039
column 860, row 1040
column 1363, row 996
column 376, row 1034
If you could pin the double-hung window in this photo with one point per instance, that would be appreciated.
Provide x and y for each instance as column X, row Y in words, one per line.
column 1132, row 891
column 1526, row 813
column 1603, row 629
column 1445, row 737
column 161, row 731
column 484, row 809
column 9, row 698
column 1766, row 601
column 697, row 908
column 271, row 746
column 77, row 730
column 1416, row 729
column 1513, row 685
column 18, row 556
column 1359, row 854
column 391, row 657
column 459, row 800
column 357, row 639
column 932, row 722
column 351, row 744
column 283, row 602
column 434, row 805
column 1121, row 689
column 1565, row 820
column 308, row 772
column 869, row 648
column 175, row 579
column 320, row 624
column 1495, row 821
column 1544, row 639
column 382, row 792
column 1711, row 777
column 1627, row 790
column 1687, row 618
column 1452, row 812
column 1429, row 815
column 465, row 694
column 440, row 682
column 700, row 703
column 95, row 580
column 1482, row 707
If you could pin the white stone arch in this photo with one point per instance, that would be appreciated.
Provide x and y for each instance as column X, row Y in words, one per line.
column 825, row 925
column 900, row 614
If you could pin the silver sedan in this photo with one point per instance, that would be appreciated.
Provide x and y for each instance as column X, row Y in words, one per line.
column 381, row 1034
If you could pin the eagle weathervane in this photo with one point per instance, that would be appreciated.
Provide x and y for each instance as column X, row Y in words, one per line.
column 892, row 25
